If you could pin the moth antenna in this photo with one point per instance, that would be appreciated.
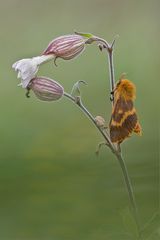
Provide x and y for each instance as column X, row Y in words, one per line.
column 123, row 75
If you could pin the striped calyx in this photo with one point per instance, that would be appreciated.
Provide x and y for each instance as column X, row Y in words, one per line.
column 66, row 47
column 46, row 89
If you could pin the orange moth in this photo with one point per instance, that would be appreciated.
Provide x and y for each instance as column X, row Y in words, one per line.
column 124, row 120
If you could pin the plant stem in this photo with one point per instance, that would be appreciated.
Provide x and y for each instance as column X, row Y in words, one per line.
column 111, row 73
column 129, row 188
column 78, row 102
column 114, row 148
column 109, row 48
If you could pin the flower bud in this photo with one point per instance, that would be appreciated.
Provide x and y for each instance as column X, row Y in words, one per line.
column 46, row 89
column 66, row 47
column 100, row 121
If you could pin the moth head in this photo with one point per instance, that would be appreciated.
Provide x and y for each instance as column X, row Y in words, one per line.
column 126, row 89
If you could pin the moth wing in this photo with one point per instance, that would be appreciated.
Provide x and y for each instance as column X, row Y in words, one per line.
column 138, row 129
column 123, row 120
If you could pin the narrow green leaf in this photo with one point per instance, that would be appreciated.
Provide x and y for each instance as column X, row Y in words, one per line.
column 129, row 223
column 87, row 35
column 76, row 88
column 152, row 227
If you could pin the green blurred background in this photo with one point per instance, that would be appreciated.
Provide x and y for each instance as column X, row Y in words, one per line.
column 52, row 185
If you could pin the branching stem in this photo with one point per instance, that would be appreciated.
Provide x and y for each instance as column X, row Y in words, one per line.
column 109, row 47
column 78, row 101
column 114, row 148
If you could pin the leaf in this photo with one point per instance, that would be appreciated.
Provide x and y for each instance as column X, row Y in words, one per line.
column 151, row 227
column 87, row 35
column 76, row 88
column 130, row 223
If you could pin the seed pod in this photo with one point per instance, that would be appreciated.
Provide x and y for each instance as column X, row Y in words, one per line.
column 66, row 47
column 46, row 89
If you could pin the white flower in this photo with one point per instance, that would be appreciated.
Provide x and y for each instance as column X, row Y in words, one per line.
column 27, row 68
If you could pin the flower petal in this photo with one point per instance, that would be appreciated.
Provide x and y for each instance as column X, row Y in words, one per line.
column 28, row 67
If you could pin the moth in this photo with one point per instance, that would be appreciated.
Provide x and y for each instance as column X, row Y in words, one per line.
column 124, row 120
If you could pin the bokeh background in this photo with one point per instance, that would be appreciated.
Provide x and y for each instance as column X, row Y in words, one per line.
column 52, row 185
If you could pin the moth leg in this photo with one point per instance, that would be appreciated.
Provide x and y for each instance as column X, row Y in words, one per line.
column 119, row 147
column 99, row 147
column 112, row 96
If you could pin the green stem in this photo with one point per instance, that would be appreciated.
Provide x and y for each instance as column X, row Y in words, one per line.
column 129, row 188
column 115, row 149
column 109, row 48
column 111, row 73
column 78, row 102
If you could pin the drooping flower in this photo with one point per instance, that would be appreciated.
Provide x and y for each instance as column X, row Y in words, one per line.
column 27, row 68
column 66, row 47
column 46, row 89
